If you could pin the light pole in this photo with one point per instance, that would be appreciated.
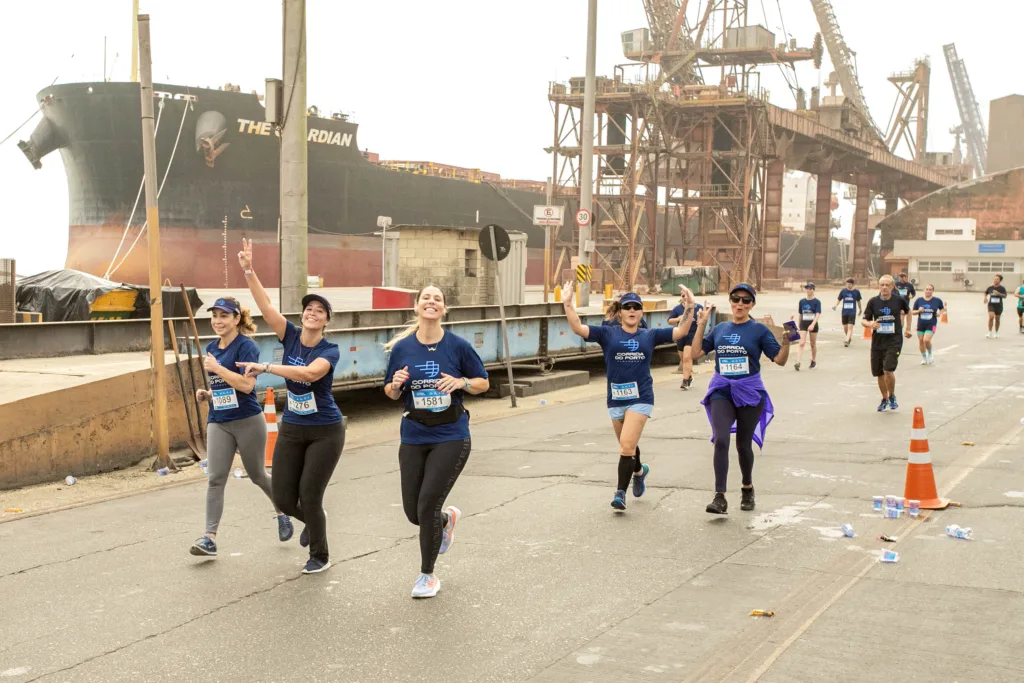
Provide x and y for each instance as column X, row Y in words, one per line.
column 587, row 162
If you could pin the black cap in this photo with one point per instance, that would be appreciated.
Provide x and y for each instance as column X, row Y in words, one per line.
column 322, row 301
column 744, row 287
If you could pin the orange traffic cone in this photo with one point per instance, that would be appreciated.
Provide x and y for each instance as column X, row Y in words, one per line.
column 920, row 477
column 270, row 415
column 867, row 333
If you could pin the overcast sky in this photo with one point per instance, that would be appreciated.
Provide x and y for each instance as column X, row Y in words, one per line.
column 462, row 82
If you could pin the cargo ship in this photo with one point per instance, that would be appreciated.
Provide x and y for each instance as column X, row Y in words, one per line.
column 219, row 172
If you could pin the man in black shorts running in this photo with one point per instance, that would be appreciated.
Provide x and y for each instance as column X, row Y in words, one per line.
column 889, row 318
column 849, row 299
column 994, row 296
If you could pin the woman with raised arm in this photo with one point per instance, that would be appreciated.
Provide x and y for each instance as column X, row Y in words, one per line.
column 737, row 400
column 235, row 420
column 311, row 435
column 628, row 349
column 431, row 370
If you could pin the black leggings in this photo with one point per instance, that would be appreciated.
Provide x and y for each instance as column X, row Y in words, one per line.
column 429, row 472
column 304, row 460
column 723, row 414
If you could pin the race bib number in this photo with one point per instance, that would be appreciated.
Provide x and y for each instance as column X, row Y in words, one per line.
column 902, row 291
column 302, row 404
column 733, row 367
column 224, row 399
column 887, row 328
column 995, row 299
column 431, row 399
column 926, row 315
column 625, row 392
column 848, row 305
column 808, row 316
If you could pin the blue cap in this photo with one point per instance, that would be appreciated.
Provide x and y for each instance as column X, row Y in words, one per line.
column 226, row 305
column 631, row 297
column 809, row 285
column 744, row 287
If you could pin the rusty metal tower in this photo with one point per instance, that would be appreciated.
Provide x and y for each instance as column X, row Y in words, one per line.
column 911, row 107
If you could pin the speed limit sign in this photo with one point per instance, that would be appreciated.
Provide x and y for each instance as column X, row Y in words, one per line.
column 583, row 217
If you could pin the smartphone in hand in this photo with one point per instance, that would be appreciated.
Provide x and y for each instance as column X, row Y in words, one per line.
column 791, row 332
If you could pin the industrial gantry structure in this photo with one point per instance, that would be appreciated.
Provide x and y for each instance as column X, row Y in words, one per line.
column 689, row 151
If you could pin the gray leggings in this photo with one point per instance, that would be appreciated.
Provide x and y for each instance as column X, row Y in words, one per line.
column 249, row 436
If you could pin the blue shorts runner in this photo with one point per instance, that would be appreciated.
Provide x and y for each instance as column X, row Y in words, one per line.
column 619, row 412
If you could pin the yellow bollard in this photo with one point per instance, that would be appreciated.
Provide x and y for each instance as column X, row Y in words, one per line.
column 608, row 291
column 558, row 294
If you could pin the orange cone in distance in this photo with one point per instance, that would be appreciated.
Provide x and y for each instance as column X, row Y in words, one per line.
column 920, row 483
column 270, row 415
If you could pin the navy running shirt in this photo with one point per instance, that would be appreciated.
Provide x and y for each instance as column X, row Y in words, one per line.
column 738, row 348
column 928, row 316
column 310, row 403
column 808, row 308
column 627, row 361
column 453, row 356
column 993, row 293
column 678, row 311
column 906, row 290
column 847, row 300
column 228, row 404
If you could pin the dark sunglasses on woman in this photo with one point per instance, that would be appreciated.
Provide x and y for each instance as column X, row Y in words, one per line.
column 741, row 300
column 632, row 307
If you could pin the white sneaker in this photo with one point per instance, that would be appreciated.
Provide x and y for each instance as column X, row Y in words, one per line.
column 931, row 360
column 995, row 335
column 924, row 361
column 988, row 336
column 426, row 586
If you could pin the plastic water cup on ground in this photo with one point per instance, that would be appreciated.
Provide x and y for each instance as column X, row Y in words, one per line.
column 239, row 473
column 901, row 503
column 70, row 480
column 889, row 556
column 954, row 531
column 848, row 530
column 913, row 508
column 162, row 472
column 890, row 501
column 878, row 503
column 543, row 401
column 892, row 513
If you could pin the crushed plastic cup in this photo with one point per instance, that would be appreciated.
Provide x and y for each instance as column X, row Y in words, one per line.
column 239, row 474
column 913, row 508
column 964, row 533
column 543, row 401
column 70, row 480
column 889, row 556
column 848, row 530
column 162, row 472
column 878, row 503
column 204, row 467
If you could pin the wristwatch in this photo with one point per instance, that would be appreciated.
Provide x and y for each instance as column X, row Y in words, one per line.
column 247, row 271
column 465, row 381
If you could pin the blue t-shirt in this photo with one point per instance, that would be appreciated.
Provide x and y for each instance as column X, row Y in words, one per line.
column 928, row 317
column 627, row 361
column 452, row 356
column 310, row 403
column 227, row 403
column 678, row 311
column 807, row 308
column 848, row 299
column 738, row 348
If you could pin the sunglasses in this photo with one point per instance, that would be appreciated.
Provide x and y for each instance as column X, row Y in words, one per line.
column 741, row 300
column 632, row 307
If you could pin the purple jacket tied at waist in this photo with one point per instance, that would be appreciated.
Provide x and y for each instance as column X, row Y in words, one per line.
column 747, row 391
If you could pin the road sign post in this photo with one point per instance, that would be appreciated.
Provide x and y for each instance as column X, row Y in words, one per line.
column 547, row 216
column 384, row 222
column 495, row 245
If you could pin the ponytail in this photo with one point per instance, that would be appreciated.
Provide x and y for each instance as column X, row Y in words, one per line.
column 407, row 332
column 245, row 324
column 613, row 311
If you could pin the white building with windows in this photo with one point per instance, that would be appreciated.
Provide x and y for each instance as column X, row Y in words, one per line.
column 951, row 256
column 799, row 199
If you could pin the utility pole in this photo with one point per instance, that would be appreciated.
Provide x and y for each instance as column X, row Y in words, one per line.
column 587, row 162
column 294, row 190
column 548, row 193
column 135, row 41
column 156, row 306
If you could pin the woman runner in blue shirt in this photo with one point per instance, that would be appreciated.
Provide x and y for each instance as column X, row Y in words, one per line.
column 737, row 400
column 311, row 434
column 927, row 308
column 627, row 358
column 432, row 369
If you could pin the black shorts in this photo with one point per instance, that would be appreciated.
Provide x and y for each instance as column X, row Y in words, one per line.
column 1020, row 312
column 684, row 342
column 850, row 319
column 885, row 357
column 805, row 326
column 996, row 308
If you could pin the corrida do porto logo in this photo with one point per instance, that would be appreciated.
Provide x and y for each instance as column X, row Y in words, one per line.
column 430, row 369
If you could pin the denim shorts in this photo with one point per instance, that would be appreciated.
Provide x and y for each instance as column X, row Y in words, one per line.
column 619, row 412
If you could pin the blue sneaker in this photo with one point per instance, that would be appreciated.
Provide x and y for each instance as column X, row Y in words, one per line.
column 205, row 547
column 285, row 528
column 426, row 586
column 304, row 537
column 883, row 405
column 619, row 502
column 893, row 405
column 640, row 481
column 448, row 533
column 315, row 566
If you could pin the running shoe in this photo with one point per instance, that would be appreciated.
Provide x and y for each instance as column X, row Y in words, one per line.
column 315, row 566
column 448, row 533
column 205, row 547
column 846, row 343
column 640, row 481
column 689, row 382
column 924, row 360
column 931, row 359
column 285, row 529
column 814, row 364
column 989, row 335
column 893, row 405
column 619, row 502
column 304, row 536
column 682, row 385
column 883, row 406
column 747, row 501
column 796, row 366
column 718, row 506
column 995, row 335
column 426, row 586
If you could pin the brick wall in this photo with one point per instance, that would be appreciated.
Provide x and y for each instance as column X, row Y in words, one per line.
column 438, row 256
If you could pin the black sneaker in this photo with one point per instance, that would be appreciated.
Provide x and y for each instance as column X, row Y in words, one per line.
column 718, row 506
column 846, row 343
column 747, row 502
column 814, row 364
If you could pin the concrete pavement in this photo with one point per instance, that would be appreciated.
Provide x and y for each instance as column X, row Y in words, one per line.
column 546, row 583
